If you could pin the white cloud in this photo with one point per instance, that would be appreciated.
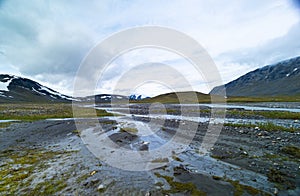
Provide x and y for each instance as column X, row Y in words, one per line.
column 46, row 40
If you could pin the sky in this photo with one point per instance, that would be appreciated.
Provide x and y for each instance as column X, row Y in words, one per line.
column 48, row 40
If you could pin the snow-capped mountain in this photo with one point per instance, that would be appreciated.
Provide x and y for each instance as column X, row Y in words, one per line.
column 17, row 89
column 279, row 79
column 104, row 98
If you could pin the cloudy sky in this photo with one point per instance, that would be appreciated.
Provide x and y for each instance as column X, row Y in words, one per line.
column 47, row 40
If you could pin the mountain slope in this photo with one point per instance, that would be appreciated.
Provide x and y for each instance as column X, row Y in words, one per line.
column 17, row 89
column 281, row 79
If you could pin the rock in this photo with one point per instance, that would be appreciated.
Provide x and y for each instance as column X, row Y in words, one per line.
column 216, row 177
column 275, row 191
column 245, row 153
column 147, row 194
column 144, row 146
column 2, row 163
column 85, row 183
column 107, row 182
column 101, row 187
column 279, row 138
column 257, row 128
column 95, row 180
column 241, row 131
column 93, row 173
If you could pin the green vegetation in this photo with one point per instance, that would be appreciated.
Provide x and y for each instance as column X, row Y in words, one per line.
column 5, row 125
column 33, row 112
column 281, row 179
column 77, row 132
column 48, row 187
column 178, row 187
column 160, row 160
column 291, row 150
column 241, row 189
column 264, row 126
column 266, row 114
column 129, row 130
column 295, row 98
column 17, row 172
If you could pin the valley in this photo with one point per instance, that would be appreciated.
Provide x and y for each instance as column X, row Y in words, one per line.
column 51, row 155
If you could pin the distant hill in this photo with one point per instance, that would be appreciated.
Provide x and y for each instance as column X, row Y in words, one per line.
column 17, row 89
column 186, row 97
column 281, row 79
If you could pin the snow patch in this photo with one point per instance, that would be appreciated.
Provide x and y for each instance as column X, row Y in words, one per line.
column 33, row 89
column 4, row 85
column 53, row 97
column 56, row 94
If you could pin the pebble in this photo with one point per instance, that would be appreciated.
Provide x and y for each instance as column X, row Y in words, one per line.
column 95, row 180
column 275, row 191
column 100, row 187
column 93, row 173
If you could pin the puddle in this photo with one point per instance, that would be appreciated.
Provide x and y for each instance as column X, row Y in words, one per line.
column 6, row 121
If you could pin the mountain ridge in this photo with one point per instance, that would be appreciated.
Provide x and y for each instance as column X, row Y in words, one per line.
column 279, row 79
column 19, row 89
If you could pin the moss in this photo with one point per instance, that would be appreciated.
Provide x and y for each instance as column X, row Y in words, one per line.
column 48, row 187
column 177, row 158
column 241, row 189
column 5, row 125
column 291, row 150
column 276, row 176
column 160, row 160
column 17, row 174
column 160, row 184
column 77, row 132
column 271, row 156
column 129, row 130
column 179, row 187
column 82, row 178
column 264, row 126
column 266, row 114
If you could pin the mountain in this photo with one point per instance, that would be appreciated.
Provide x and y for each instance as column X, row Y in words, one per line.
column 281, row 79
column 17, row 89
column 104, row 98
